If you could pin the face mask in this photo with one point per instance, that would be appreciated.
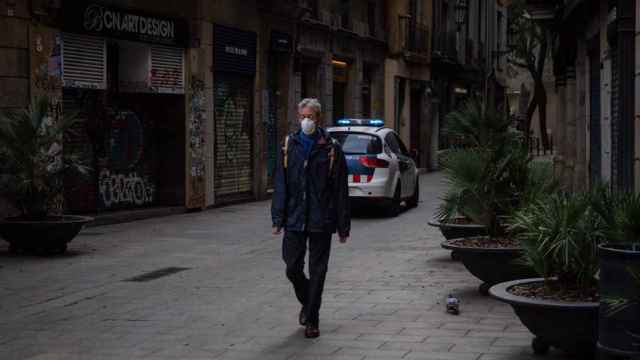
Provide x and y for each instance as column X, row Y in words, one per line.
column 308, row 126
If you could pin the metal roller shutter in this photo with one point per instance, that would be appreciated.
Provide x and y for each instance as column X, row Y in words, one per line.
column 84, row 61
column 167, row 69
column 233, row 135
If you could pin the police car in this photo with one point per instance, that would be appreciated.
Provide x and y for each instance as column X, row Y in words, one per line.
column 381, row 169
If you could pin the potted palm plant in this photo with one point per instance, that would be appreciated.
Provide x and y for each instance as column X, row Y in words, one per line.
column 619, row 324
column 486, row 180
column 560, row 236
column 31, row 177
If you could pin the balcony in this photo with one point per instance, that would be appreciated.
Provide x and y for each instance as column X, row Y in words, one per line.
column 414, row 40
column 291, row 9
column 445, row 47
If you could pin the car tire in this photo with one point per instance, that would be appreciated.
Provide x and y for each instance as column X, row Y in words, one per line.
column 415, row 198
column 395, row 207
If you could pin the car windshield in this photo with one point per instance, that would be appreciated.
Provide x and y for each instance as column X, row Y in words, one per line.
column 358, row 144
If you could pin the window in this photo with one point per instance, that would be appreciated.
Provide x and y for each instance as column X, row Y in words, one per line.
column 312, row 6
column 371, row 16
column 392, row 142
column 358, row 144
column 499, row 30
column 344, row 10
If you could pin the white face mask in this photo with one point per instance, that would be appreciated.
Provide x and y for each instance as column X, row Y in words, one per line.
column 308, row 126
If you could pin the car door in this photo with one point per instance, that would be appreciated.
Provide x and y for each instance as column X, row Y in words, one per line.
column 407, row 169
column 404, row 164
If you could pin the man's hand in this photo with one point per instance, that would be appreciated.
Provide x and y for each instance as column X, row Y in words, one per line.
column 276, row 230
column 343, row 239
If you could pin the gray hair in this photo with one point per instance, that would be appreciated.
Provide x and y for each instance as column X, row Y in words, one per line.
column 312, row 103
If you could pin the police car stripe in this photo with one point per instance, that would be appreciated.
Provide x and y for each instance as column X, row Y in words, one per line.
column 359, row 179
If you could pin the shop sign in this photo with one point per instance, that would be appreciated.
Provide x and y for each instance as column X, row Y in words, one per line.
column 234, row 50
column 96, row 19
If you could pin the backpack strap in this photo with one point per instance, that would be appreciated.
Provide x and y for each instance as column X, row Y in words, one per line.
column 332, row 155
column 285, row 150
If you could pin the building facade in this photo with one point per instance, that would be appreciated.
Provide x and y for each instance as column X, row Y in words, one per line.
column 595, row 70
column 186, row 104
column 407, row 78
column 468, row 56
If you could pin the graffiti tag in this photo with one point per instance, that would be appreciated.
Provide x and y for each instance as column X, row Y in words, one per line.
column 116, row 189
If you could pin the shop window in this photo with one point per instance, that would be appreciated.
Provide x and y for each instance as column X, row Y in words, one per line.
column 84, row 61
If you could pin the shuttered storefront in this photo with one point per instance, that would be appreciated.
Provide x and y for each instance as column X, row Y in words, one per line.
column 233, row 150
column 235, row 55
column 125, row 81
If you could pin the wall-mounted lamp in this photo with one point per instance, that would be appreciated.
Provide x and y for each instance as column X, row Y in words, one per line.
column 339, row 63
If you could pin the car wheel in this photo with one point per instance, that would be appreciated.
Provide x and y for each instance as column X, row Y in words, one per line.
column 396, row 203
column 415, row 198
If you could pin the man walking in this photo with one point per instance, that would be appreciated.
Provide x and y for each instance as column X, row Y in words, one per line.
column 310, row 202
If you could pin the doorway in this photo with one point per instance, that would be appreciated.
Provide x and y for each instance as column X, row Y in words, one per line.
column 340, row 81
column 416, row 123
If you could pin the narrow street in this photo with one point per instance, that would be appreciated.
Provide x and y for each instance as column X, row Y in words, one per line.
column 229, row 297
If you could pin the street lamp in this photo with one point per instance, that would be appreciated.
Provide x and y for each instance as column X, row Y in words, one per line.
column 461, row 13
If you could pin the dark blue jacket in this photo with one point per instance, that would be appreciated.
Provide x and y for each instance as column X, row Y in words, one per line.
column 307, row 197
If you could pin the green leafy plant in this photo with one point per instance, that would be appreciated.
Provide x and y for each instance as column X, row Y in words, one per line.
column 34, row 164
column 560, row 236
column 616, row 305
column 486, row 177
column 620, row 214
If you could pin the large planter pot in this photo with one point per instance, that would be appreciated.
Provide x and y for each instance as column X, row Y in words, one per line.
column 455, row 229
column 569, row 326
column 619, row 329
column 50, row 235
column 491, row 265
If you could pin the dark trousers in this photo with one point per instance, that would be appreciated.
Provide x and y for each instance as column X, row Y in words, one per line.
column 308, row 290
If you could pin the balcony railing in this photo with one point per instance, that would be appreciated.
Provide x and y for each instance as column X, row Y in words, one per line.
column 445, row 45
column 414, row 38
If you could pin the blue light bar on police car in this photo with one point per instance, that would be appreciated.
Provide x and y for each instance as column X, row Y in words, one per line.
column 360, row 122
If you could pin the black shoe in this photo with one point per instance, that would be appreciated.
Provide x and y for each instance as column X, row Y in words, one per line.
column 311, row 332
column 302, row 318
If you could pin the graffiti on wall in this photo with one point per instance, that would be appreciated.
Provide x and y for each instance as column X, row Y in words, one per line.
column 122, row 182
column 197, row 122
column 127, row 139
column 48, row 65
column 121, row 189
column 234, row 125
column 233, row 158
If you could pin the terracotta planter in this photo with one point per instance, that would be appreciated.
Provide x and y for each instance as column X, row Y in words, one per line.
column 50, row 235
column 569, row 326
column 491, row 265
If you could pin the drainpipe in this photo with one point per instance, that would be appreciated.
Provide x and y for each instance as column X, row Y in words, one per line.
column 626, row 57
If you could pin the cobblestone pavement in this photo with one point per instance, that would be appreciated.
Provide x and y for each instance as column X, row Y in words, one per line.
column 383, row 300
